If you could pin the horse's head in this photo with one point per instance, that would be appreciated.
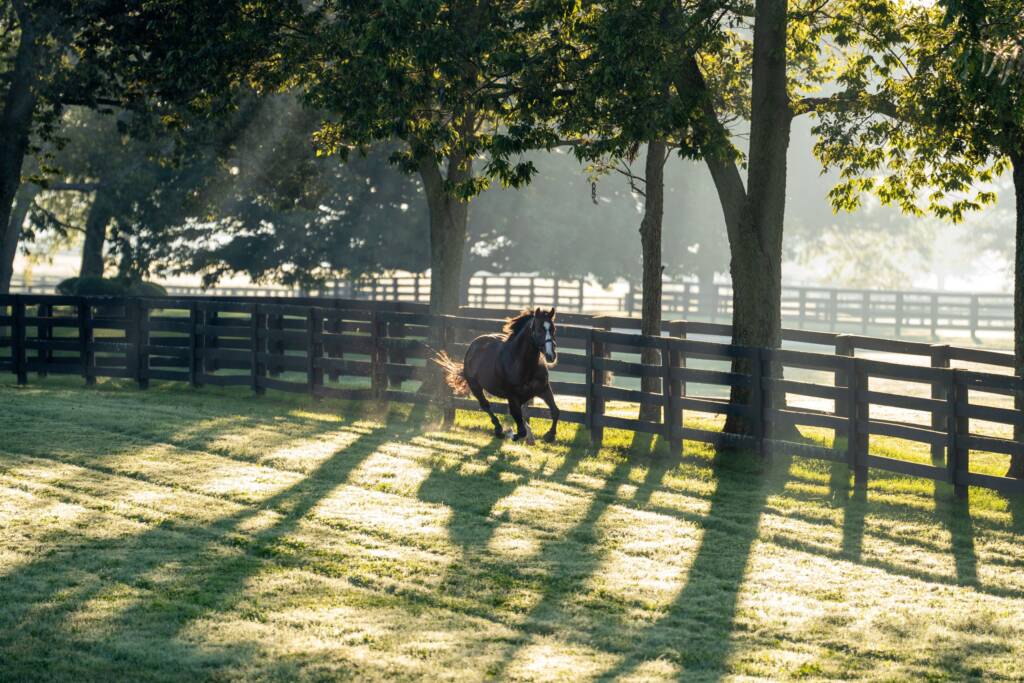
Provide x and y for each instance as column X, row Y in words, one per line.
column 542, row 331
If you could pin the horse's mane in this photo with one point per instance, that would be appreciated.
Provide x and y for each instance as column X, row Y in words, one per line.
column 513, row 325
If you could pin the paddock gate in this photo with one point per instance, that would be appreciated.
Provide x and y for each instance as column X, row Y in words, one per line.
column 953, row 408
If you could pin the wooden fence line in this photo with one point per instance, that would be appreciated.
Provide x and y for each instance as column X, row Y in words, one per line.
column 359, row 350
column 804, row 307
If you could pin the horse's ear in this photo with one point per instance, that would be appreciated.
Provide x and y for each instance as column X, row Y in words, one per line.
column 551, row 313
column 537, row 311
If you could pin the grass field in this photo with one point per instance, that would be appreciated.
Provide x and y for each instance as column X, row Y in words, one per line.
column 190, row 535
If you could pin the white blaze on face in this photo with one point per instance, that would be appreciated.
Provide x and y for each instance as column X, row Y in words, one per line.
column 549, row 343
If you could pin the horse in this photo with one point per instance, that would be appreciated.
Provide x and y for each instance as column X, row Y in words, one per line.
column 512, row 365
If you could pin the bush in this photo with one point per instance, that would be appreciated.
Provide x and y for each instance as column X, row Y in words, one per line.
column 67, row 287
column 98, row 286
column 147, row 289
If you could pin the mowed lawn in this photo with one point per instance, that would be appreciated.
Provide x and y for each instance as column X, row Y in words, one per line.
column 176, row 534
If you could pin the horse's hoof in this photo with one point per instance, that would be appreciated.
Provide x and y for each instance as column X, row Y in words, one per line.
column 499, row 432
column 549, row 437
column 527, row 437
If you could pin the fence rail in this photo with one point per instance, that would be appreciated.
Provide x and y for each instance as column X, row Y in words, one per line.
column 850, row 310
column 356, row 349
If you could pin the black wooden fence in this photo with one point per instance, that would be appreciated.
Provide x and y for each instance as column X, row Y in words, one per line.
column 379, row 350
column 864, row 311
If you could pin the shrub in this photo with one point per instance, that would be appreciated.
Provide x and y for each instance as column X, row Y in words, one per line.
column 98, row 286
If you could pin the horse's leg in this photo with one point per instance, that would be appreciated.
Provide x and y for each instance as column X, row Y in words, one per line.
column 515, row 407
column 549, row 397
column 478, row 391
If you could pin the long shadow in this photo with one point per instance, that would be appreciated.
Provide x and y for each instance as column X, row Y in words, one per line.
column 1016, row 505
column 198, row 589
column 568, row 568
column 580, row 447
column 854, row 502
column 954, row 513
column 470, row 497
column 173, row 428
column 696, row 631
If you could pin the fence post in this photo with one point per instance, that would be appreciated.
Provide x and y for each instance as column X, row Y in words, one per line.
column 314, row 373
column 257, row 369
column 85, row 337
column 669, row 386
column 18, row 340
column 595, row 404
column 858, row 413
column 376, row 388
column 940, row 391
column 193, row 363
column 677, row 359
column 844, row 348
column 140, row 326
column 44, row 333
column 579, row 307
column 958, row 429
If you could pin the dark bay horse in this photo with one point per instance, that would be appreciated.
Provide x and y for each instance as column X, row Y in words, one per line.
column 512, row 365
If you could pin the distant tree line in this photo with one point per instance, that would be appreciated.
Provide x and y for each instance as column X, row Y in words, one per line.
column 301, row 142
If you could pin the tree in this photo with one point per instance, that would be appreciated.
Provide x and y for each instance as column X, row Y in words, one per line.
column 443, row 76
column 613, row 99
column 789, row 50
column 947, row 117
column 276, row 210
column 46, row 65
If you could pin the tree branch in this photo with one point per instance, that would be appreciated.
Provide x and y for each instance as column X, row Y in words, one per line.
column 845, row 102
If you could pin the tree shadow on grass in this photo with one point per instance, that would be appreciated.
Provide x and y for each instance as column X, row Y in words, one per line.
column 469, row 496
column 203, row 575
column 696, row 630
column 572, row 559
column 1016, row 505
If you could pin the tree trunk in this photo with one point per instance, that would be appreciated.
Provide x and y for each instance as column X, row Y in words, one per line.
column 15, row 127
column 756, row 265
column 650, row 241
column 22, row 201
column 1017, row 461
column 448, row 223
column 95, row 236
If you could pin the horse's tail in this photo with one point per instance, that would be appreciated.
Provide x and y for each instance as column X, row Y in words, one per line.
column 453, row 373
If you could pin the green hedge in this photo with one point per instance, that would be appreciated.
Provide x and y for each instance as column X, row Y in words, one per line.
column 98, row 286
